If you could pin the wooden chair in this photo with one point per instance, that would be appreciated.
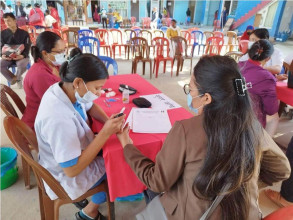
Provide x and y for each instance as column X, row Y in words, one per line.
column 22, row 136
column 70, row 38
column 179, row 46
column 103, row 37
column 140, row 53
column 9, row 109
column 162, row 49
column 232, row 40
column 159, row 33
column 146, row 34
column 235, row 55
column 129, row 35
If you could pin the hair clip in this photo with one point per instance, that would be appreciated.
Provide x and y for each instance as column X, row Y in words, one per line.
column 242, row 86
column 72, row 58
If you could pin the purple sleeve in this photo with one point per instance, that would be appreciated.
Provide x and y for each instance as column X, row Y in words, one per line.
column 269, row 98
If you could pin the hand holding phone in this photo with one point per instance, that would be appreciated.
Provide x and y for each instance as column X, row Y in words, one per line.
column 120, row 113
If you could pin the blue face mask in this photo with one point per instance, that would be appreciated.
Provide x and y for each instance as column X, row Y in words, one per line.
column 189, row 103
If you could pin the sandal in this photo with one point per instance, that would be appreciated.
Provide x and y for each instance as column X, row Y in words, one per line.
column 81, row 204
column 98, row 217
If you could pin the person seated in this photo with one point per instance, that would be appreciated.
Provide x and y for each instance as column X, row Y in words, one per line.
column 284, row 198
column 48, row 54
column 197, row 160
column 263, row 83
column 274, row 65
column 68, row 148
column 247, row 33
column 154, row 19
column 21, row 21
column 173, row 30
column 118, row 18
column 13, row 36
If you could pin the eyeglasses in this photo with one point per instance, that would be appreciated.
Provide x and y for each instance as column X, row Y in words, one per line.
column 186, row 89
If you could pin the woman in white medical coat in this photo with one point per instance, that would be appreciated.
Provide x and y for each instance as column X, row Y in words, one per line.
column 67, row 147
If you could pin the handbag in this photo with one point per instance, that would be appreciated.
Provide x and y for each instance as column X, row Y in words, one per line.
column 154, row 210
column 34, row 18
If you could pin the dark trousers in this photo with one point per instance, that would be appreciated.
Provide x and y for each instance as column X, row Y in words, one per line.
column 287, row 185
column 104, row 21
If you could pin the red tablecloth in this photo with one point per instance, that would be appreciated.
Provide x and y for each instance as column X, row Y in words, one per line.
column 284, row 93
column 121, row 179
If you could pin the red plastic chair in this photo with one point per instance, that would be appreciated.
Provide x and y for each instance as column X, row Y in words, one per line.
column 117, row 41
column 162, row 49
column 281, row 214
column 146, row 23
column 103, row 37
column 214, row 45
column 244, row 46
column 32, row 32
column 218, row 34
column 133, row 21
column 187, row 35
column 192, row 29
column 56, row 31
column 168, row 21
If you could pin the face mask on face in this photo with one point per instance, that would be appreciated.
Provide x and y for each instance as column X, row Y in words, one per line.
column 87, row 98
column 59, row 59
column 250, row 43
column 189, row 103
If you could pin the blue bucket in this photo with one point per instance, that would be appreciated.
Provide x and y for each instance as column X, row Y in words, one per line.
column 9, row 171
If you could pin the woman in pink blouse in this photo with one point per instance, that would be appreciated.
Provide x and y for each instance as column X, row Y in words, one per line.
column 48, row 54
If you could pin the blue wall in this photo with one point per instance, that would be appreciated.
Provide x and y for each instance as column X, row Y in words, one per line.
column 180, row 8
column 213, row 7
column 199, row 11
column 278, row 17
column 142, row 9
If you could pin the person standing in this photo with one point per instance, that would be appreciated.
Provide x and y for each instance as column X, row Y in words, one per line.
column 55, row 15
column 14, row 36
column 28, row 9
column 104, row 17
column 39, row 24
column 110, row 16
column 188, row 16
column 96, row 14
column 19, row 9
column 155, row 17
column 223, row 17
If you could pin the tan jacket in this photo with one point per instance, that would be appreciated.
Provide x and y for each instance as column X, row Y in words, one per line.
column 179, row 162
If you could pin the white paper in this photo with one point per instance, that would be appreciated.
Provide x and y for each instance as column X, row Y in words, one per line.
column 161, row 101
column 150, row 121
column 129, row 119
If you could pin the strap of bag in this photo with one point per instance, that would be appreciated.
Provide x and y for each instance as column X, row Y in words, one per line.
column 215, row 204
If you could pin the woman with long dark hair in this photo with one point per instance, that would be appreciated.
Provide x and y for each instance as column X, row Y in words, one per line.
column 216, row 153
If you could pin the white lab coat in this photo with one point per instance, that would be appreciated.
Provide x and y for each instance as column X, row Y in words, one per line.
column 62, row 135
column 277, row 58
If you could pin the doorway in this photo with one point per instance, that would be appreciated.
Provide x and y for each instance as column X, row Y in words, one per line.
column 135, row 9
column 191, row 7
column 257, row 20
column 93, row 3
column 170, row 7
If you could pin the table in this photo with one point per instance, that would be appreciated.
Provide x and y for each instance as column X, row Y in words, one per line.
column 121, row 179
column 285, row 95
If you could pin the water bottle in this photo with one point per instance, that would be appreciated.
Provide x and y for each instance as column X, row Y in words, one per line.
column 125, row 96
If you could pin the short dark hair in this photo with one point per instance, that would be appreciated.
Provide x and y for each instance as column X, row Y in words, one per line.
column 29, row 5
column 47, row 12
column 85, row 66
column 261, row 33
column 261, row 50
column 46, row 41
column 10, row 14
column 37, row 5
column 174, row 20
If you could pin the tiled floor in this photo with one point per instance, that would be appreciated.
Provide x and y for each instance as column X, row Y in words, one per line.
column 17, row 203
